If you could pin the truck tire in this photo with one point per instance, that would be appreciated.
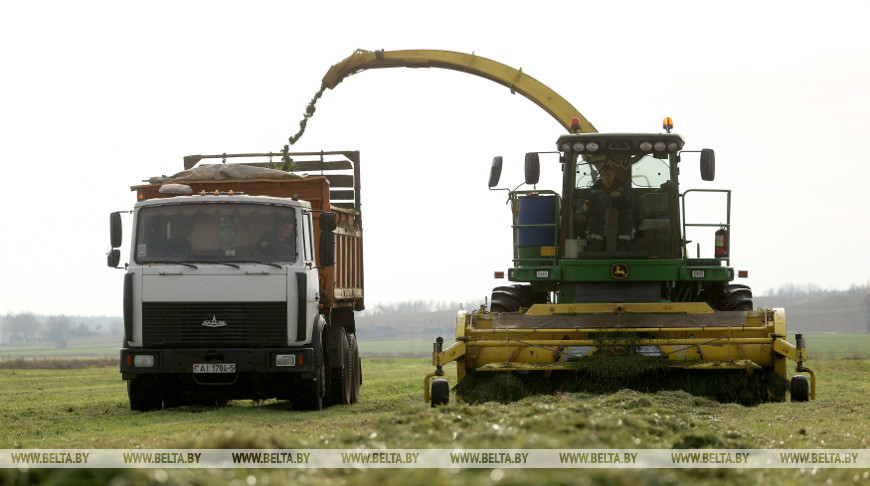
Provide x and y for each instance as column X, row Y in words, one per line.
column 312, row 392
column 341, row 382
column 356, row 374
column 144, row 394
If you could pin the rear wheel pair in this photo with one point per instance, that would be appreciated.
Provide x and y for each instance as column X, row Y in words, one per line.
column 345, row 381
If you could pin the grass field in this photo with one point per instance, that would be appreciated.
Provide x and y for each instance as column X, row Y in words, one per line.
column 406, row 348
column 821, row 346
column 87, row 408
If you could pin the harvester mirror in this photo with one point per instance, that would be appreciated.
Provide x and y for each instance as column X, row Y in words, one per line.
column 115, row 229
column 708, row 164
column 327, row 248
column 113, row 258
column 495, row 171
column 328, row 221
column 533, row 168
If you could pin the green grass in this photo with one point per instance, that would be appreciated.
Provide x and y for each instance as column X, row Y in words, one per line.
column 87, row 408
column 837, row 345
column 42, row 351
column 820, row 346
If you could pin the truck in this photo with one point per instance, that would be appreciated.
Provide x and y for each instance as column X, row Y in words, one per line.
column 242, row 282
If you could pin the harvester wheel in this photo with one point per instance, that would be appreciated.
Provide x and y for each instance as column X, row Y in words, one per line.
column 511, row 298
column 735, row 297
column 800, row 388
column 440, row 393
column 738, row 298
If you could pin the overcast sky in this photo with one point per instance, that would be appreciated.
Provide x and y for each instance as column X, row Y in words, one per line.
column 96, row 96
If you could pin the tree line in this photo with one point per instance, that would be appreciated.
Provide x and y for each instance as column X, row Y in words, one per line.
column 26, row 328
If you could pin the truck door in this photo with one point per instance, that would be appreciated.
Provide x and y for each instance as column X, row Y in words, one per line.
column 310, row 269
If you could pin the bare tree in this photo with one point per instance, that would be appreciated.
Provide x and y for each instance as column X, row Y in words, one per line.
column 58, row 330
column 21, row 328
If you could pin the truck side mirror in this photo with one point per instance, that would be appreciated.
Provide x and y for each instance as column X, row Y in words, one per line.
column 708, row 164
column 328, row 221
column 533, row 168
column 113, row 258
column 327, row 248
column 495, row 171
column 115, row 229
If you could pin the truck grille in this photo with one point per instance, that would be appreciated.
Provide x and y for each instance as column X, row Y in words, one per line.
column 210, row 324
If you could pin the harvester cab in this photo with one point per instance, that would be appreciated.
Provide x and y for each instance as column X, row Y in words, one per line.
column 604, row 273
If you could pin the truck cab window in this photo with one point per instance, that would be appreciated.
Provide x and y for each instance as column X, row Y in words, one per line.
column 306, row 237
column 205, row 232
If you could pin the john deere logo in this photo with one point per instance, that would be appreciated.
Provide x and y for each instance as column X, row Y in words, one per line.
column 619, row 271
column 214, row 322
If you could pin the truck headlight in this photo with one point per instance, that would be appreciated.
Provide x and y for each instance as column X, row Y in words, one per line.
column 285, row 360
column 143, row 361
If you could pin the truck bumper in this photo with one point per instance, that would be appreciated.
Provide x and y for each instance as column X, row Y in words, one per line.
column 144, row 361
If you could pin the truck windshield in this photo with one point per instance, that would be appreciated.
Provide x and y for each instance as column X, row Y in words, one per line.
column 646, row 171
column 216, row 233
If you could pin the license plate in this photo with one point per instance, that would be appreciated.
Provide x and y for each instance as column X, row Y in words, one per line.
column 215, row 368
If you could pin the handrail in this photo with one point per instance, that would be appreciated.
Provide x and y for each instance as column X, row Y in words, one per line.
column 726, row 225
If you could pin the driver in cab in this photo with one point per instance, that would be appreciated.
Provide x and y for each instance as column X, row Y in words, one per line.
column 608, row 192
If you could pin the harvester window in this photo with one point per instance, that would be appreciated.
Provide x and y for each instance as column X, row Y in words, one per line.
column 215, row 232
column 641, row 227
column 650, row 172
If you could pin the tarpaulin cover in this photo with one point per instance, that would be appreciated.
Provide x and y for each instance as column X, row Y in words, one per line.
column 223, row 172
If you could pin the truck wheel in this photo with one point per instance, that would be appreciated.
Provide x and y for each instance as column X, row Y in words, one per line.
column 800, row 388
column 339, row 384
column 356, row 374
column 440, row 393
column 313, row 391
column 144, row 394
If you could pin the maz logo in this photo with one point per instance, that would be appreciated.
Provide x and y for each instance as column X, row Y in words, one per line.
column 214, row 322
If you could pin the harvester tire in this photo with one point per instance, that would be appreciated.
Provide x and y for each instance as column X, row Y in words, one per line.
column 511, row 298
column 800, row 388
column 738, row 298
column 440, row 393
column 735, row 297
